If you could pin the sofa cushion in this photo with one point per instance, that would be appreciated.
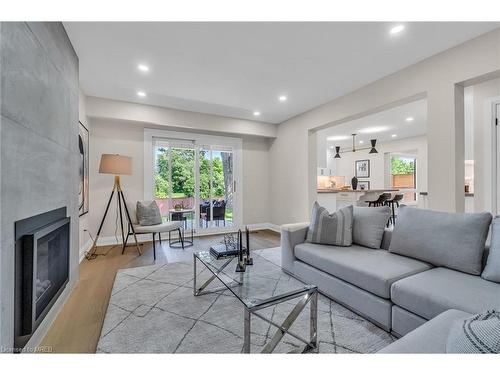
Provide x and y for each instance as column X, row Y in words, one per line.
column 429, row 337
column 453, row 240
column 431, row 292
column 371, row 270
column 492, row 270
column 369, row 224
column 330, row 229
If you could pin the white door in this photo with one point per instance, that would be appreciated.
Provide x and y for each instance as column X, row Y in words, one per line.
column 197, row 173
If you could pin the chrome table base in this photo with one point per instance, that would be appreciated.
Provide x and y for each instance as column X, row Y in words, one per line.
column 308, row 295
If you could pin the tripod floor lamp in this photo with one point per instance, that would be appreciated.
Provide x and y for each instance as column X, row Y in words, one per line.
column 117, row 165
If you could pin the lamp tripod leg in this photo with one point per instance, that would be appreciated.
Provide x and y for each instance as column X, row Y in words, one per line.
column 121, row 215
column 91, row 254
column 130, row 221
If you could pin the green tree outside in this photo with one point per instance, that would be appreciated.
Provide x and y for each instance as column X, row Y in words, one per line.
column 183, row 174
column 402, row 165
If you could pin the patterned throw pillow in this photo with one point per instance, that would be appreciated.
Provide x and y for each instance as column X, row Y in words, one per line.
column 148, row 213
column 331, row 229
column 478, row 334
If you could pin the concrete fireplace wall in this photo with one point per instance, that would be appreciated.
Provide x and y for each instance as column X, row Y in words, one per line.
column 39, row 146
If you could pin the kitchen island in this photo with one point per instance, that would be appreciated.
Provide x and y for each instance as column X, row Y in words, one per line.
column 333, row 199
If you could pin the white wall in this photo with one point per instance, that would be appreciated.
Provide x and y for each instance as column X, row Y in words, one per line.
column 418, row 145
column 85, row 241
column 127, row 138
column 440, row 79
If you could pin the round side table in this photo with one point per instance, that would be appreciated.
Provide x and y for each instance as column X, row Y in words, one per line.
column 183, row 215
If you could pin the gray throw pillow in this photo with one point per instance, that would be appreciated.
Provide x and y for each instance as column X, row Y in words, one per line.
column 453, row 240
column 330, row 229
column 492, row 270
column 148, row 213
column 478, row 334
column 369, row 224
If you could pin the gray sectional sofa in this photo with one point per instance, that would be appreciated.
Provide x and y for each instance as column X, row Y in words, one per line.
column 430, row 263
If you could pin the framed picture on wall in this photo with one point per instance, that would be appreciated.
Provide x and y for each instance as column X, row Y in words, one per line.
column 364, row 185
column 83, row 170
column 362, row 168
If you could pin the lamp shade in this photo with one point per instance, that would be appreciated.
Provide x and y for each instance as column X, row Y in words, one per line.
column 115, row 164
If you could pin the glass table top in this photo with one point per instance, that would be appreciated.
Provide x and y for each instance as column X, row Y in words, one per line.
column 260, row 285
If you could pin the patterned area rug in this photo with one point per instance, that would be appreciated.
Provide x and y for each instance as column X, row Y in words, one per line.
column 152, row 310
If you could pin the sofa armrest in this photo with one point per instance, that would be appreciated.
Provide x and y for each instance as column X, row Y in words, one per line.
column 386, row 239
column 291, row 235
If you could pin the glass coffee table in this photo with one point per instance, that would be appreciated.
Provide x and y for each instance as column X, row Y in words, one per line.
column 254, row 289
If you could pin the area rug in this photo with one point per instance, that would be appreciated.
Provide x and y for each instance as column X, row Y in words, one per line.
column 152, row 310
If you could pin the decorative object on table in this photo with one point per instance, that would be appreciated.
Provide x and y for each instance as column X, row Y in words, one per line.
column 372, row 148
column 248, row 258
column 117, row 165
column 230, row 241
column 83, row 169
column 221, row 251
column 240, row 267
column 364, row 185
column 362, row 168
column 354, row 183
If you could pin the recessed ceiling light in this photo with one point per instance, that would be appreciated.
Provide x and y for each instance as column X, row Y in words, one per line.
column 142, row 94
column 409, row 119
column 337, row 138
column 394, row 135
column 361, row 142
column 374, row 129
column 282, row 98
column 256, row 113
column 397, row 29
column 143, row 68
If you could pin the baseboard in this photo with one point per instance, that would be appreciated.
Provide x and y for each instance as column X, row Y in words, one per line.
column 86, row 247
column 111, row 240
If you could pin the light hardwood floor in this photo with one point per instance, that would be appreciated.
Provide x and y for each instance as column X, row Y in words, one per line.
column 78, row 326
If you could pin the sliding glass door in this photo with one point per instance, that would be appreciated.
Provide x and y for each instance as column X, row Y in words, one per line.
column 195, row 176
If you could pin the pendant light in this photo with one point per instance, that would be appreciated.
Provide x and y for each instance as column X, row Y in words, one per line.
column 373, row 150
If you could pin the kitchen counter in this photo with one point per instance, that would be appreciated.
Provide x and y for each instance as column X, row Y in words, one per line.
column 355, row 191
column 333, row 199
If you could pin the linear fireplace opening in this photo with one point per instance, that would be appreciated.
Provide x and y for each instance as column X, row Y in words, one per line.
column 42, row 269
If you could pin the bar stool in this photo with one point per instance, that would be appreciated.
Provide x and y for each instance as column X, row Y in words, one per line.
column 380, row 201
column 391, row 202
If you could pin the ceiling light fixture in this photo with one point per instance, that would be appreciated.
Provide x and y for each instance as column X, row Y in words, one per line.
column 282, row 98
column 373, row 150
column 256, row 113
column 361, row 142
column 409, row 119
column 397, row 29
column 143, row 68
column 394, row 135
column 374, row 129
column 337, row 138
column 142, row 94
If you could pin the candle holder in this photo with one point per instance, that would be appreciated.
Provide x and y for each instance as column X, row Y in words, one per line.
column 248, row 258
column 240, row 267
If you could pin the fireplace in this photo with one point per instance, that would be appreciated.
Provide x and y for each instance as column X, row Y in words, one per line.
column 42, row 269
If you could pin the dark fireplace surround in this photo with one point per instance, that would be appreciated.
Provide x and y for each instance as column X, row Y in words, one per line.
column 41, row 269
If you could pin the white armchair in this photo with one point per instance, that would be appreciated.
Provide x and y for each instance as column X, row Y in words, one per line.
column 166, row 227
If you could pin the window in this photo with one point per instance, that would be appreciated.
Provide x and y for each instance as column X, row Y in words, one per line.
column 195, row 172
column 404, row 176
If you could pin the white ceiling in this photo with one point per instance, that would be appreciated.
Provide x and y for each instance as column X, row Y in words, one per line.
column 380, row 126
column 232, row 69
